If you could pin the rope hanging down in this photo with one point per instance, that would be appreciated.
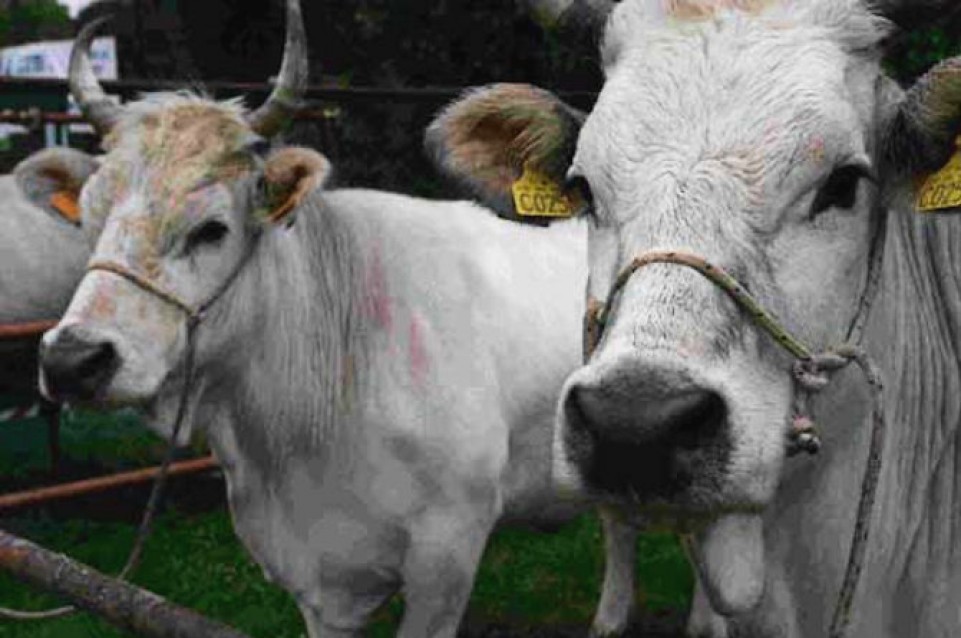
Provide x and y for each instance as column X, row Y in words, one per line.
column 812, row 373
column 150, row 511
column 194, row 315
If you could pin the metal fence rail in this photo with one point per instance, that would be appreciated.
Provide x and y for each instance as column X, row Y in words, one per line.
column 341, row 95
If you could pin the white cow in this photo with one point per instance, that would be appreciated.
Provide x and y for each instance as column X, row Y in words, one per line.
column 377, row 374
column 41, row 262
column 763, row 136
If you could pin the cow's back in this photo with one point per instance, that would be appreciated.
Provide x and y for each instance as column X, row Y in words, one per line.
column 41, row 259
column 41, row 262
column 502, row 303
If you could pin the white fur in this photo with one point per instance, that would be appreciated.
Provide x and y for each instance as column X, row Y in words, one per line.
column 713, row 136
column 378, row 383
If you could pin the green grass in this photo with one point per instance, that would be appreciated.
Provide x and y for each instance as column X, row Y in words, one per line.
column 109, row 441
column 526, row 578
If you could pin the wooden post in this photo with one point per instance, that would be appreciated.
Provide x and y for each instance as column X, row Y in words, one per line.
column 119, row 603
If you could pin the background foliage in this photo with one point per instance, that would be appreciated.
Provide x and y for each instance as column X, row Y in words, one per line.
column 413, row 43
column 32, row 20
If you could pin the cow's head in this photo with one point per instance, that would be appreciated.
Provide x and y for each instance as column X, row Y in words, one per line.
column 186, row 187
column 761, row 135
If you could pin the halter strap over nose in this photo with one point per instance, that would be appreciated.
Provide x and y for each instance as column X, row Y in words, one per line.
column 598, row 313
column 145, row 284
column 194, row 313
column 812, row 372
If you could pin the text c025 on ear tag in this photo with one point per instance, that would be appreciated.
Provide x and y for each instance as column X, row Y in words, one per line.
column 942, row 190
column 536, row 195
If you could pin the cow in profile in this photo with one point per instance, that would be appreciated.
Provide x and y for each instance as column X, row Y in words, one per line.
column 764, row 137
column 376, row 374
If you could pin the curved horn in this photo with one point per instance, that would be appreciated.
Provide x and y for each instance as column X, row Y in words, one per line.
column 97, row 107
column 285, row 99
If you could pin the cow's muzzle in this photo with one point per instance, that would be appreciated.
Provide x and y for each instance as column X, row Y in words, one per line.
column 77, row 364
column 646, row 431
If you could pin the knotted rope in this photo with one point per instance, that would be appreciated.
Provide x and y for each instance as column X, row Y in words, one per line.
column 812, row 372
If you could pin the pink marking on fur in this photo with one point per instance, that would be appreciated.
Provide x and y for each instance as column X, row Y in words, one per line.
column 417, row 352
column 816, row 149
column 377, row 301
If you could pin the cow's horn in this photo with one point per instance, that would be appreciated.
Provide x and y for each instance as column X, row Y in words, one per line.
column 95, row 104
column 589, row 14
column 286, row 97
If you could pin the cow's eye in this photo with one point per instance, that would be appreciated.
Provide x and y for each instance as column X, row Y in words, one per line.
column 577, row 186
column 209, row 233
column 840, row 190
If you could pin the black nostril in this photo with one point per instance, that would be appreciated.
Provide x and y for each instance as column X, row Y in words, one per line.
column 647, row 444
column 634, row 417
column 698, row 420
column 78, row 365
column 98, row 358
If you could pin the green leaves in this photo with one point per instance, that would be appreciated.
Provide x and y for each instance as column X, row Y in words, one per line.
column 33, row 20
column 919, row 50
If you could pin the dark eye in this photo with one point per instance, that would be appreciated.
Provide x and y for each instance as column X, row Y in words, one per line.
column 576, row 186
column 841, row 189
column 260, row 147
column 209, row 233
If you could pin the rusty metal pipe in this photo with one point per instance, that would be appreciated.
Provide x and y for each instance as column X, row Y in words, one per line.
column 26, row 330
column 102, row 483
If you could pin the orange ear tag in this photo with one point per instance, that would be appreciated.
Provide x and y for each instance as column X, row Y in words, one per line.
column 65, row 203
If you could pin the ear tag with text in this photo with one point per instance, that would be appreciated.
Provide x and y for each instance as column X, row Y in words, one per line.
column 941, row 192
column 537, row 195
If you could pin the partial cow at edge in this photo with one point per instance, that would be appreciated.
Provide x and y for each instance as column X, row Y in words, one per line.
column 765, row 137
column 42, row 255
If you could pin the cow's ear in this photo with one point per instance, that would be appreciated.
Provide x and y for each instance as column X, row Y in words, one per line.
column 921, row 129
column 290, row 175
column 494, row 136
column 53, row 178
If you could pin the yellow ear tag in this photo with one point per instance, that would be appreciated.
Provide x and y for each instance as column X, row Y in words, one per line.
column 942, row 190
column 537, row 195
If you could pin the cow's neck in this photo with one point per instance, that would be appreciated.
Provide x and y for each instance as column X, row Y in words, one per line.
column 916, row 334
column 912, row 334
column 287, row 386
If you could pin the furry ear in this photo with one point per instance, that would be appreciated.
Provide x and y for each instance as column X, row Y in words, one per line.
column 52, row 179
column 921, row 132
column 921, row 140
column 488, row 137
column 290, row 175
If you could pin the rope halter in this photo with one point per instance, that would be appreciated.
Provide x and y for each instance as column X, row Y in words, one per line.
column 812, row 372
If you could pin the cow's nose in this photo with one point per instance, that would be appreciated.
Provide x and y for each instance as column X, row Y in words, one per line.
column 77, row 364
column 646, row 436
